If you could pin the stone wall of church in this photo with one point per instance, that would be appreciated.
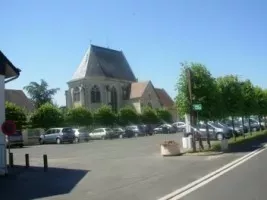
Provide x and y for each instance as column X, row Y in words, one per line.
column 85, row 86
column 150, row 97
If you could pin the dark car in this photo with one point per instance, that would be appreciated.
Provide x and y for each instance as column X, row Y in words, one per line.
column 165, row 128
column 136, row 130
column 15, row 140
column 119, row 132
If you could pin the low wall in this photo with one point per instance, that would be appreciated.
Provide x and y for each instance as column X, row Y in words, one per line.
column 31, row 136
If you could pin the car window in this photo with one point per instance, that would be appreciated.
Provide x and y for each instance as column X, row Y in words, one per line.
column 108, row 129
column 96, row 131
column 48, row 132
column 67, row 130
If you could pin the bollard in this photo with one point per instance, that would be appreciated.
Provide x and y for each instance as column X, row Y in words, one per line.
column 27, row 161
column 11, row 160
column 45, row 162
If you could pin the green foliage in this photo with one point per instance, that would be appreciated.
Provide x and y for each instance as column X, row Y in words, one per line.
column 79, row 116
column 149, row 116
column 164, row 115
column 248, row 95
column 104, row 116
column 260, row 101
column 127, row 115
column 46, row 116
column 16, row 114
column 204, row 90
column 231, row 95
column 39, row 93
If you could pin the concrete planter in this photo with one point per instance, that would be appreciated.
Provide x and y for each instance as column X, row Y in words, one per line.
column 170, row 149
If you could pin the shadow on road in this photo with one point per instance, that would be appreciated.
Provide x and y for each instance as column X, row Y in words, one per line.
column 26, row 184
column 249, row 145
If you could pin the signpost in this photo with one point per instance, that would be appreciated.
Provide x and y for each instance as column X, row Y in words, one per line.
column 197, row 107
column 8, row 128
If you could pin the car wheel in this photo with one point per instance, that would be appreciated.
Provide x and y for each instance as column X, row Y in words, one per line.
column 41, row 141
column 76, row 140
column 58, row 141
column 219, row 136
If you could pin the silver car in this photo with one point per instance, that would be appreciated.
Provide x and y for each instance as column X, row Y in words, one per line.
column 15, row 140
column 58, row 136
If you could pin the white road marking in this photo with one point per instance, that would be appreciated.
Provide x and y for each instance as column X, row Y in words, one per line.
column 178, row 194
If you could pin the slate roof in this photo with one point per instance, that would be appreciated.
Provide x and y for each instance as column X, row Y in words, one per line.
column 7, row 68
column 100, row 61
column 138, row 89
column 19, row 98
column 164, row 98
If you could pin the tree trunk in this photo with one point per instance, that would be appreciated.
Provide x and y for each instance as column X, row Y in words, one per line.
column 233, row 126
column 259, row 117
column 249, row 126
column 264, row 118
column 243, row 127
column 208, row 134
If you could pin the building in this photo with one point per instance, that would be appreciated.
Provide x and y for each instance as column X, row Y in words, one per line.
column 19, row 98
column 104, row 76
column 8, row 72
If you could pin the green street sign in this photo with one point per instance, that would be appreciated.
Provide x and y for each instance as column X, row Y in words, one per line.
column 197, row 107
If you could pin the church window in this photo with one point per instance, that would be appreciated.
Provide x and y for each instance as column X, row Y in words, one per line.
column 76, row 94
column 95, row 95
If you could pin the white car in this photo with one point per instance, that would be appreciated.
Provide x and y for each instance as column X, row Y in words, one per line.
column 181, row 126
column 102, row 133
column 81, row 135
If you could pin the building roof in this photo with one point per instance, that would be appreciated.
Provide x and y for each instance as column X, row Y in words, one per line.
column 19, row 98
column 7, row 68
column 164, row 98
column 104, row 62
column 138, row 89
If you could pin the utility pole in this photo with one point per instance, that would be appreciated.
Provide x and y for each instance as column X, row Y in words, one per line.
column 189, row 80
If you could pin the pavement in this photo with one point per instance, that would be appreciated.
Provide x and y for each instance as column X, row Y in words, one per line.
column 118, row 169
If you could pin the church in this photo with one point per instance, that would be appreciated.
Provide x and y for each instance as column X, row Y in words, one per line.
column 104, row 76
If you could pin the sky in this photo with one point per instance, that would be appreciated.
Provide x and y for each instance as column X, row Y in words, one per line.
column 47, row 39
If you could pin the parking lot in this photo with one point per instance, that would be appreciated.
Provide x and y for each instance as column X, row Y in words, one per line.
column 110, row 169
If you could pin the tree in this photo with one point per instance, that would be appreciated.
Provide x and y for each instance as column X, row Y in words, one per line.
column 79, row 116
column 104, row 116
column 127, row 115
column 231, row 96
column 46, row 116
column 39, row 93
column 204, row 92
column 149, row 116
column 16, row 114
column 164, row 115
column 249, row 102
column 261, row 102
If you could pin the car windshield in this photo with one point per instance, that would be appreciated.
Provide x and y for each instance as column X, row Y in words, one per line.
column 215, row 125
column 108, row 129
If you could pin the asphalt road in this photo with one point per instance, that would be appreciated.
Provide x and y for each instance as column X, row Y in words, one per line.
column 113, row 169
column 248, row 181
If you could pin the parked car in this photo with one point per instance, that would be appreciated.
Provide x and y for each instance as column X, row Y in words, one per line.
column 236, row 131
column 164, row 128
column 254, row 124
column 58, row 136
column 239, row 129
column 15, row 140
column 81, row 135
column 102, row 133
column 216, row 132
column 180, row 126
column 136, row 130
column 119, row 132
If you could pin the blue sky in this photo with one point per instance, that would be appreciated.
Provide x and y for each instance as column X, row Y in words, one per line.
column 47, row 39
